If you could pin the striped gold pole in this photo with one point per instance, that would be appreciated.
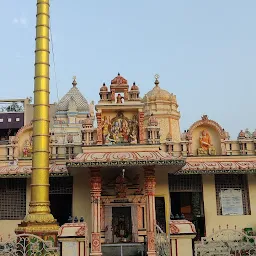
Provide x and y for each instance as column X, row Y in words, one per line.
column 39, row 219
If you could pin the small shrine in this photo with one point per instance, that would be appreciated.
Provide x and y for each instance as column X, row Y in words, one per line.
column 120, row 116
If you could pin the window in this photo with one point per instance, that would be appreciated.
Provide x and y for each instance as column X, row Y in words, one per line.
column 236, row 182
column 17, row 119
column 182, row 149
column 12, row 198
column 9, row 120
column 185, row 183
column 230, row 146
column 1, row 120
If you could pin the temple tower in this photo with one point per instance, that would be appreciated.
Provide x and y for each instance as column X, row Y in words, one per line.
column 163, row 105
column 39, row 220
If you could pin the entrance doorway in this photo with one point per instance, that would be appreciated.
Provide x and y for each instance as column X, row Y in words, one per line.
column 122, row 224
column 189, row 204
column 186, row 193
column 61, row 190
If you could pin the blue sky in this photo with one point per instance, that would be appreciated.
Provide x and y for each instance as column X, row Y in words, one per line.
column 204, row 52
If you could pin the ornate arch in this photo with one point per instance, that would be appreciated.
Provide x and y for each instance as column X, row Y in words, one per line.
column 207, row 122
column 24, row 129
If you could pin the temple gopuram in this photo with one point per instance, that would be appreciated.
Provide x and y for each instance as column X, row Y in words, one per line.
column 123, row 165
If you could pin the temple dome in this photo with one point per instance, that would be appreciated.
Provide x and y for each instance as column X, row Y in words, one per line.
column 158, row 94
column 134, row 87
column 104, row 88
column 73, row 97
column 118, row 80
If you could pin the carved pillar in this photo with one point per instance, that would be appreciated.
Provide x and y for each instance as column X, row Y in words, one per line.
column 190, row 152
column 223, row 147
column 141, row 127
column 150, row 184
column 95, row 205
column 125, row 94
column 99, row 128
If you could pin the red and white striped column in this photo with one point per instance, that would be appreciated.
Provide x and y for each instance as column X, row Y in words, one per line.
column 95, row 205
column 150, row 184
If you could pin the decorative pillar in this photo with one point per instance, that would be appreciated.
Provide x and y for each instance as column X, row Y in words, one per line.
column 141, row 127
column 40, row 221
column 182, row 233
column 150, row 184
column 95, row 205
column 99, row 128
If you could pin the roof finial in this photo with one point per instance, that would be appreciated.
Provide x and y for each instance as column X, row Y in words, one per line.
column 74, row 81
column 156, row 81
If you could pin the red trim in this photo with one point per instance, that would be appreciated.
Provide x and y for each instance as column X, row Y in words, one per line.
column 79, row 248
column 176, row 246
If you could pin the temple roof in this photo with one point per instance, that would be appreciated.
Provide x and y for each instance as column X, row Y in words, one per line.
column 218, row 167
column 142, row 158
column 73, row 98
column 24, row 171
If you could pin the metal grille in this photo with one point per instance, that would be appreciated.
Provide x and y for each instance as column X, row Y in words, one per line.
column 61, row 185
column 12, row 199
column 235, row 181
column 185, row 183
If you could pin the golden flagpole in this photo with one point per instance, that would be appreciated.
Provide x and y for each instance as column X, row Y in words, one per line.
column 39, row 220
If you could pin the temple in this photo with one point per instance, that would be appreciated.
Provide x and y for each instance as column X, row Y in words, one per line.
column 125, row 166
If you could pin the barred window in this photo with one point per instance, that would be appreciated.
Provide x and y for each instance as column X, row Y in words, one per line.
column 185, row 183
column 232, row 181
column 12, row 198
column 61, row 185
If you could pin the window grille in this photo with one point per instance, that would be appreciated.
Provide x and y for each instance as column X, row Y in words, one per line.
column 185, row 183
column 232, row 181
column 61, row 185
column 12, row 198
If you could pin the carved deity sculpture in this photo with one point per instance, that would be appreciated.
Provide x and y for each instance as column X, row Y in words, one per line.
column 133, row 138
column 206, row 147
column 105, row 128
column 119, row 129
column 119, row 98
column 27, row 149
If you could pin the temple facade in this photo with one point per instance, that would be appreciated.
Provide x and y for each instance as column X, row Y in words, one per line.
column 123, row 165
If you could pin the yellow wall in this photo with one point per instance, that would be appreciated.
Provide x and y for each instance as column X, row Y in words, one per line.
column 162, row 190
column 82, row 196
column 213, row 221
column 7, row 228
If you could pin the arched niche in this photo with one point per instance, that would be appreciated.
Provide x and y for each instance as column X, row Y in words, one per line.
column 215, row 131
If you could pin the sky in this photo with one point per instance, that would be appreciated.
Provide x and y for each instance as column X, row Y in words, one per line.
column 204, row 52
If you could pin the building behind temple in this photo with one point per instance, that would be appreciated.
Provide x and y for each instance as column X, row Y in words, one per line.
column 129, row 148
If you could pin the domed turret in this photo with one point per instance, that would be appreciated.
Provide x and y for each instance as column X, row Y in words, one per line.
column 118, row 80
column 134, row 87
column 164, row 106
column 104, row 88
column 158, row 94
